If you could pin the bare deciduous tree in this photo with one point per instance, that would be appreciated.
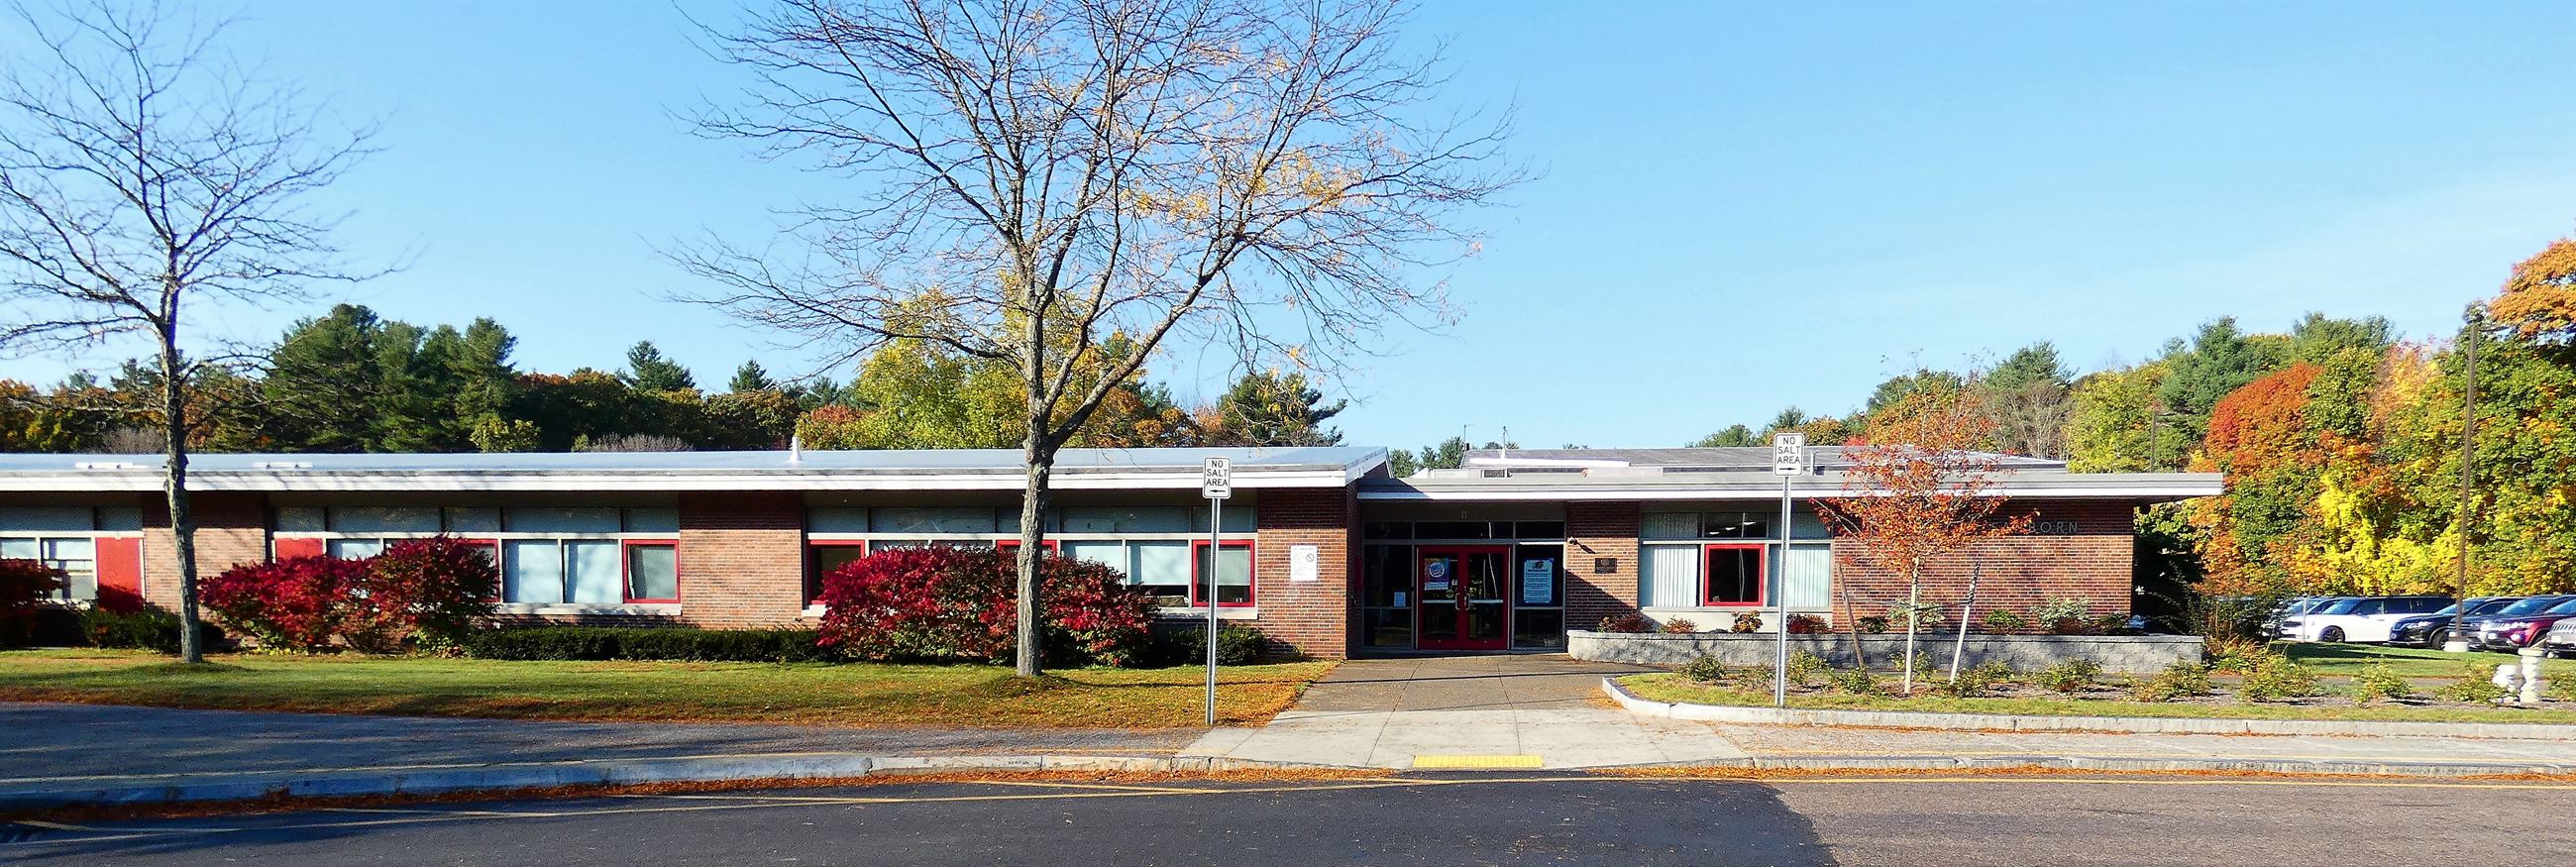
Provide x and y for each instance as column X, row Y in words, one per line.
column 1034, row 176
column 143, row 177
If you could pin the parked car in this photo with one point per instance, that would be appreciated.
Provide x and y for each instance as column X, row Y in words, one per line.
column 2277, row 627
column 2507, row 631
column 2434, row 630
column 2560, row 640
column 2359, row 619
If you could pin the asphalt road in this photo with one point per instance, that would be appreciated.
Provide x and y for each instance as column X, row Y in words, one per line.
column 1461, row 820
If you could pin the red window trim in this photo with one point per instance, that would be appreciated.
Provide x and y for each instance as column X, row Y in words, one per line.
column 626, row 569
column 1251, row 592
column 1009, row 544
column 813, row 576
column 1761, row 577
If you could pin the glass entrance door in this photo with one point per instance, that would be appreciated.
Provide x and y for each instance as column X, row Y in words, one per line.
column 1464, row 597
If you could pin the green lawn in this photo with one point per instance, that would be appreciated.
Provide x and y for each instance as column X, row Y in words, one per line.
column 2346, row 659
column 2337, row 706
column 812, row 693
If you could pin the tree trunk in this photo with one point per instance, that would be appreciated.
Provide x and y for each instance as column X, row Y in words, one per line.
column 1851, row 623
column 1039, row 458
column 1968, row 606
column 174, row 487
column 1913, row 609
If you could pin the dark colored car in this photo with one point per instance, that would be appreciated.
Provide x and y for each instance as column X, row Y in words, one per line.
column 2506, row 630
column 2433, row 630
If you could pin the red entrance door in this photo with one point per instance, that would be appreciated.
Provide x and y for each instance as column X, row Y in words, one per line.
column 1465, row 604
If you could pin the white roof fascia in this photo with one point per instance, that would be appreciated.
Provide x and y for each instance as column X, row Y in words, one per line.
column 2176, row 490
column 127, row 480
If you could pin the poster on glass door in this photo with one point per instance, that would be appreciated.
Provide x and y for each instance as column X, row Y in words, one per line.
column 1538, row 581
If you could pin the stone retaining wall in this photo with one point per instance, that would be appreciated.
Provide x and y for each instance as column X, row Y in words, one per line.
column 2122, row 654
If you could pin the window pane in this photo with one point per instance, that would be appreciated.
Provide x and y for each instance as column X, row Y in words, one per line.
column 652, row 572
column 1389, row 627
column 827, row 560
column 120, row 518
column 951, row 519
column 19, row 549
column 1453, row 530
column 1233, row 575
column 301, row 519
column 1734, row 576
column 1669, row 575
column 594, row 579
column 1163, row 568
column 1387, row 530
column 1238, row 518
column 354, row 549
column 30, row 519
column 70, row 549
column 837, row 519
column 1534, row 578
column 1089, row 519
column 376, row 519
column 1538, row 628
column 1386, row 577
column 1541, row 529
column 1110, row 554
column 551, row 519
column 77, row 558
column 1806, row 576
column 474, row 519
column 534, row 573
column 1669, row 525
column 653, row 520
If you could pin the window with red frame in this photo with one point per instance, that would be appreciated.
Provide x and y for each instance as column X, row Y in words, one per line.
column 652, row 571
column 1233, row 574
column 1732, row 575
column 826, row 556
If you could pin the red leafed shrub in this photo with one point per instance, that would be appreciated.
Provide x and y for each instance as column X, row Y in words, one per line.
column 1806, row 624
column 1631, row 622
column 955, row 604
column 428, row 591
column 24, row 587
column 299, row 603
column 431, row 590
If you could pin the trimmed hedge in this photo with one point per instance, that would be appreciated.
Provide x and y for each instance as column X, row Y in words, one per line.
column 642, row 643
column 1235, row 645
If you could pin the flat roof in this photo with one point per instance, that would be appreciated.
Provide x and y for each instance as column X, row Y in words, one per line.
column 891, row 469
column 1504, row 484
column 1696, row 459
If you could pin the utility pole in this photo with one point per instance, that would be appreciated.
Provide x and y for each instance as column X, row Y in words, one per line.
column 2454, row 642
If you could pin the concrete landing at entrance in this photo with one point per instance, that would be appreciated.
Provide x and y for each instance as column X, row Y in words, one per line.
column 1466, row 711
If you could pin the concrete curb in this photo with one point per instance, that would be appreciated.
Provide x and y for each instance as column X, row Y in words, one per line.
column 508, row 776
column 2136, row 725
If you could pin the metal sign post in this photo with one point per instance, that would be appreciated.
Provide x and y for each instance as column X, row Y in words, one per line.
column 1788, row 461
column 1216, row 483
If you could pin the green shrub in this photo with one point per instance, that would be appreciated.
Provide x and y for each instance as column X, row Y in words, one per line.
column 645, row 643
column 2179, row 680
column 2378, row 681
column 1235, row 645
column 2277, row 679
column 1857, row 681
column 1927, row 617
column 1757, row 677
column 1706, row 669
column 2238, row 656
column 2475, row 687
column 1805, row 667
column 2070, row 676
column 146, row 629
column 2064, row 615
column 1976, row 681
column 2003, row 620
column 1874, row 625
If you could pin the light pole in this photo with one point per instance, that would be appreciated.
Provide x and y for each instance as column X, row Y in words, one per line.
column 2453, row 641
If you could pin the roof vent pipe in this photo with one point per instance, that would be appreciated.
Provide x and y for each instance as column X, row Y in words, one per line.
column 795, row 449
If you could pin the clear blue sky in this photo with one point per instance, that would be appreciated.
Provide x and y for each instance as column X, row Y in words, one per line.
column 1742, row 206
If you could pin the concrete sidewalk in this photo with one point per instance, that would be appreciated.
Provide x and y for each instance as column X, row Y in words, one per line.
column 1549, row 712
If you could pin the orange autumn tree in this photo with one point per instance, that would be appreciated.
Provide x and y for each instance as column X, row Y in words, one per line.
column 2260, row 436
column 2539, row 301
column 1919, row 488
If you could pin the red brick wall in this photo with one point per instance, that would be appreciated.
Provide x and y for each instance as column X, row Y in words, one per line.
column 1314, row 617
column 742, row 558
column 1594, row 531
column 2018, row 572
column 232, row 529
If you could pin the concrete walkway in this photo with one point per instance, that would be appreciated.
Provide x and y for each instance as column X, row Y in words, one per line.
column 1548, row 711
column 1470, row 711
